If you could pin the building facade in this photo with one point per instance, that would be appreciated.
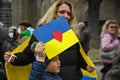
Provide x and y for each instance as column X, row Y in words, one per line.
column 5, row 12
column 13, row 11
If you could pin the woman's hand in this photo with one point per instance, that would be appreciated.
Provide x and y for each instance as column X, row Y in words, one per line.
column 90, row 68
column 9, row 57
column 39, row 50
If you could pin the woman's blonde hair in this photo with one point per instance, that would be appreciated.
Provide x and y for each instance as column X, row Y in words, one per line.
column 107, row 23
column 51, row 15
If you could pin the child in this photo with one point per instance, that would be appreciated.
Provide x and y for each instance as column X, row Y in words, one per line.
column 44, row 69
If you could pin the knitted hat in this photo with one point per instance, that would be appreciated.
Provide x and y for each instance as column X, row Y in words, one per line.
column 25, row 23
column 47, row 61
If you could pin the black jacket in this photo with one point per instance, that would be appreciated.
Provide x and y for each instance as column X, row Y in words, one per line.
column 3, row 37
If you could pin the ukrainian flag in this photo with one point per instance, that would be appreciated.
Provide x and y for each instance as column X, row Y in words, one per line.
column 57, row 36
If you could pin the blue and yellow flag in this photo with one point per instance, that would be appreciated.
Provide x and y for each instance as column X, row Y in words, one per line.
column 18, row 72
column 57, row 36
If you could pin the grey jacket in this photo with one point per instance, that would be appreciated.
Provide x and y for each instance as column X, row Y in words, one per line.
column 85, row 39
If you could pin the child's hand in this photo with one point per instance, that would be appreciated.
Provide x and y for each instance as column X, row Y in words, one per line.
column 90, row 68
column 39, row 50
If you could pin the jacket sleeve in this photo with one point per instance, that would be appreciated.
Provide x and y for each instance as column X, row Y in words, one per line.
column 108, row 43
column 26, row 57
column 37, row 71
column 83, row 36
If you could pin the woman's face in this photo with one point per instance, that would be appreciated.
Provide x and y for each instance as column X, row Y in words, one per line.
column 64, row 10
column 112, row 28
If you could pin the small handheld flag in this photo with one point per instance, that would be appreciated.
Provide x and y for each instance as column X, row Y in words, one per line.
column 57, row 36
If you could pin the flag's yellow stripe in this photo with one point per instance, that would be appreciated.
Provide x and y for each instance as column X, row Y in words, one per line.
column 21, row 47
column 18, row 72
column 68, row 39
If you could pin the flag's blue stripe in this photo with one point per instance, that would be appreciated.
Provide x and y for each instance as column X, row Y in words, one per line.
column 44, row 33
column 87, row 78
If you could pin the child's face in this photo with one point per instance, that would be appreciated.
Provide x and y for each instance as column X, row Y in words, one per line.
column 54, row 65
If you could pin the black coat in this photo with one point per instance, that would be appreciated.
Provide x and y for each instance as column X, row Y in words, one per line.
column 3, row 37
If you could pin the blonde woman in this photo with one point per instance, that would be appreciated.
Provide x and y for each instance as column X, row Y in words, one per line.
column 71, row 60
column 109, row 41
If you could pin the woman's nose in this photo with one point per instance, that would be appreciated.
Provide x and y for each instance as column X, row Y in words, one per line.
column 66, row 15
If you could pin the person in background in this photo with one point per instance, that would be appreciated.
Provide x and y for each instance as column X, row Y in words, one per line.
column 12, row 32
column 113, row 73
column 25, row 30
column 24, row 24
column 109, row 41
column 16, row 39
column 84, row 36
column 9, row 43
column 3, row 36
column 43, row 68
column 12, row 41
column 71, row 59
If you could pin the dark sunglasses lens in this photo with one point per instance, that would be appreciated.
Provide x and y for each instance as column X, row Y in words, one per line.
column 113, row 26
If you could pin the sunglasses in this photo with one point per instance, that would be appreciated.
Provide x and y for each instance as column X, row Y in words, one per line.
column 113, row 27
